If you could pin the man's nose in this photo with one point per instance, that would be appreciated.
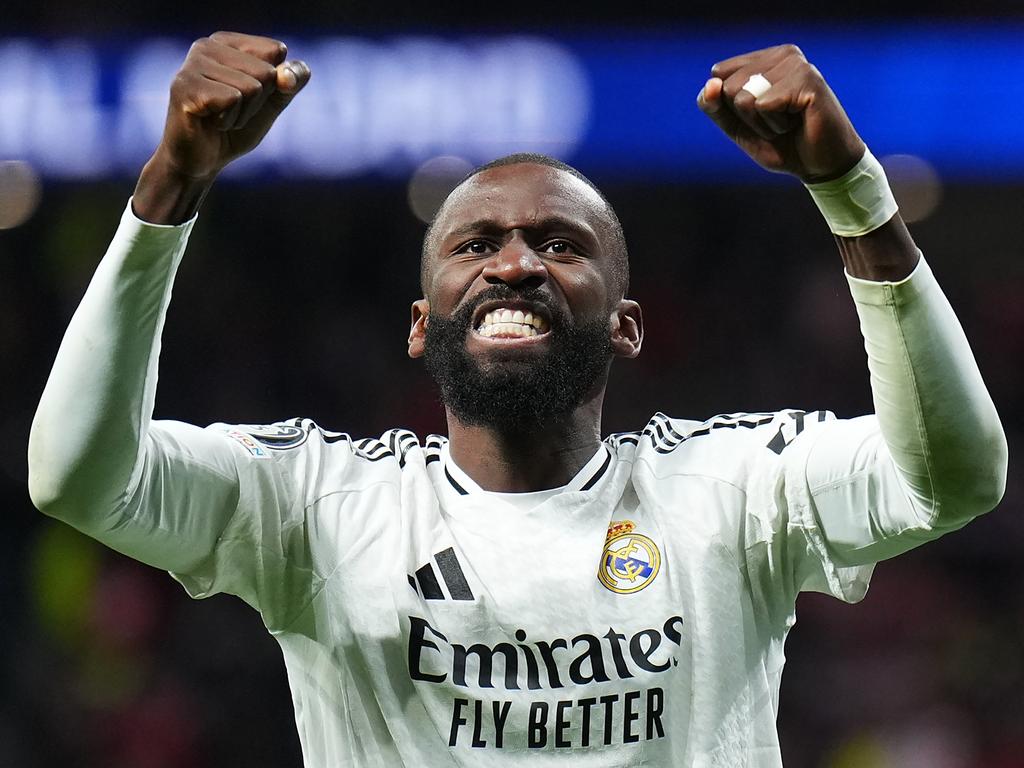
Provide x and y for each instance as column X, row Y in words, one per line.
column 516, row 264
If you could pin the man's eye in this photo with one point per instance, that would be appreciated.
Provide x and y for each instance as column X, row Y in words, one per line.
column 558, row 246
column 476, row 246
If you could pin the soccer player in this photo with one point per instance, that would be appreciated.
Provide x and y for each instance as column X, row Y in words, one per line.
column 522, row 589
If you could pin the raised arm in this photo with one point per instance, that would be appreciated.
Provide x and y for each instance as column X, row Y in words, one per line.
column 93, row 445
column 937, row 436
column 225, row 97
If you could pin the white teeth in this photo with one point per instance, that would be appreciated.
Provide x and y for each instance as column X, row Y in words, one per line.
column 509, row 322
column 508, row 329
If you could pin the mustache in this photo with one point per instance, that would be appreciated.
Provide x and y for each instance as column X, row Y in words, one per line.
column 463, row 316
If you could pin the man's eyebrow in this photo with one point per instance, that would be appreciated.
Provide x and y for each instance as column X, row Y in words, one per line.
column 548, row 223
column 480, row 226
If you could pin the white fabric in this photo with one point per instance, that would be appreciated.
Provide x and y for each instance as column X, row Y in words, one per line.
column 388, row 577
column 858, row 202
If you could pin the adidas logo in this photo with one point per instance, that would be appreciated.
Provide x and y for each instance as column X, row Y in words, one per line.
column 425, row 581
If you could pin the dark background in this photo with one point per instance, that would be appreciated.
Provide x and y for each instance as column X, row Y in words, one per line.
column 293, row 300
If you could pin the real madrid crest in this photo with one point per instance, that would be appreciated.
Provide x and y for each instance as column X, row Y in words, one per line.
column 630, row 561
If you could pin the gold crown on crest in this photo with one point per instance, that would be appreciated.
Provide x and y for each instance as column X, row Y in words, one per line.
column 619, row 527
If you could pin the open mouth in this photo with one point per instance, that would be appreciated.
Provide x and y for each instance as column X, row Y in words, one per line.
column 510, row 321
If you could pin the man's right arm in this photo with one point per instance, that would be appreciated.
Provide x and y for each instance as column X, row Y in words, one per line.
column 92, row 445
column 224, row 99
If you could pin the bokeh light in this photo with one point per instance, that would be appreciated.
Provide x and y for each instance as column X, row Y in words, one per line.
column 915, row 184
column 431, row 183
column 64, row 568
column 20, row 192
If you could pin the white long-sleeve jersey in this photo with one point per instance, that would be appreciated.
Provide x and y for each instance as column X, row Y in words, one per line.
column 634, row 617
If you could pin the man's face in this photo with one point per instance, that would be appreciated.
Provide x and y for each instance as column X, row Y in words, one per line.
column 522, row 311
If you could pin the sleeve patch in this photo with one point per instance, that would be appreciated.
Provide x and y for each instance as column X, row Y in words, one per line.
column 246, row 441
column 277, row 436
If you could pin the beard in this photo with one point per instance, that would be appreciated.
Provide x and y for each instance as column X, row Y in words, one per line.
column 516, row 395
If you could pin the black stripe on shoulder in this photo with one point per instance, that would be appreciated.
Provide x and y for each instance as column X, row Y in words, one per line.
column 375, row 446
column 665, row 438
column 659, row 441
column 620, row 438
column 666, row 422
column 401, row 442
column 432, row 448
column 732, row 421
column 372, row 449
column 377, row 457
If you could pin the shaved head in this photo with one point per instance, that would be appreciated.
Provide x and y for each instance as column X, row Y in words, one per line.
column 614, row 237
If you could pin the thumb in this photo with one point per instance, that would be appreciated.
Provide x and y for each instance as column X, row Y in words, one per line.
column 710, row 100
column 292, row 77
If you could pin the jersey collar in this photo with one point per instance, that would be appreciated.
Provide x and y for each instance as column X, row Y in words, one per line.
column 585, row 480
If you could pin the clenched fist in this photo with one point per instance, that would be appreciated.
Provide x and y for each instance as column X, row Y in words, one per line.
column 797, row 126
column 225, row 97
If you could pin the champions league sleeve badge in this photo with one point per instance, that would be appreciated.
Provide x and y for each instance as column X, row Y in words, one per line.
column 630, row 561
column 276, row 436
column 257, row 438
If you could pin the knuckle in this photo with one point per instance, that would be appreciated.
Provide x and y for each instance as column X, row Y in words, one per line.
column 733, row 90
column 266, row 73
column 790, row 49
column 251, row 89
column 182, row 83
column 199, row 47
column 743, row 101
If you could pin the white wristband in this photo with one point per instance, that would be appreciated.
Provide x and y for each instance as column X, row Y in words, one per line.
column 858, row 201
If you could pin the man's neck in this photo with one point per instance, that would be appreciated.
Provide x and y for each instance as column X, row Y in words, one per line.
column 537, row 459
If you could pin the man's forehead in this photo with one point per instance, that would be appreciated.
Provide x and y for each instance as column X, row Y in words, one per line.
column 522, row 189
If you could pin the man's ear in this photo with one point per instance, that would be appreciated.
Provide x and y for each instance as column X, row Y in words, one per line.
column 627, row 329
column 418, row 331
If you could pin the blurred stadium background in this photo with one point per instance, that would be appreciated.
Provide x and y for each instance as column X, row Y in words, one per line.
column 293, row 300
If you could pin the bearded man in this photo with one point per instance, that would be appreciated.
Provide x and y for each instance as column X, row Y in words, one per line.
column 523, row 589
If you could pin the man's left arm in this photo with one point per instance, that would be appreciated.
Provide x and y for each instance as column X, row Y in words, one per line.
column 936, row 455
